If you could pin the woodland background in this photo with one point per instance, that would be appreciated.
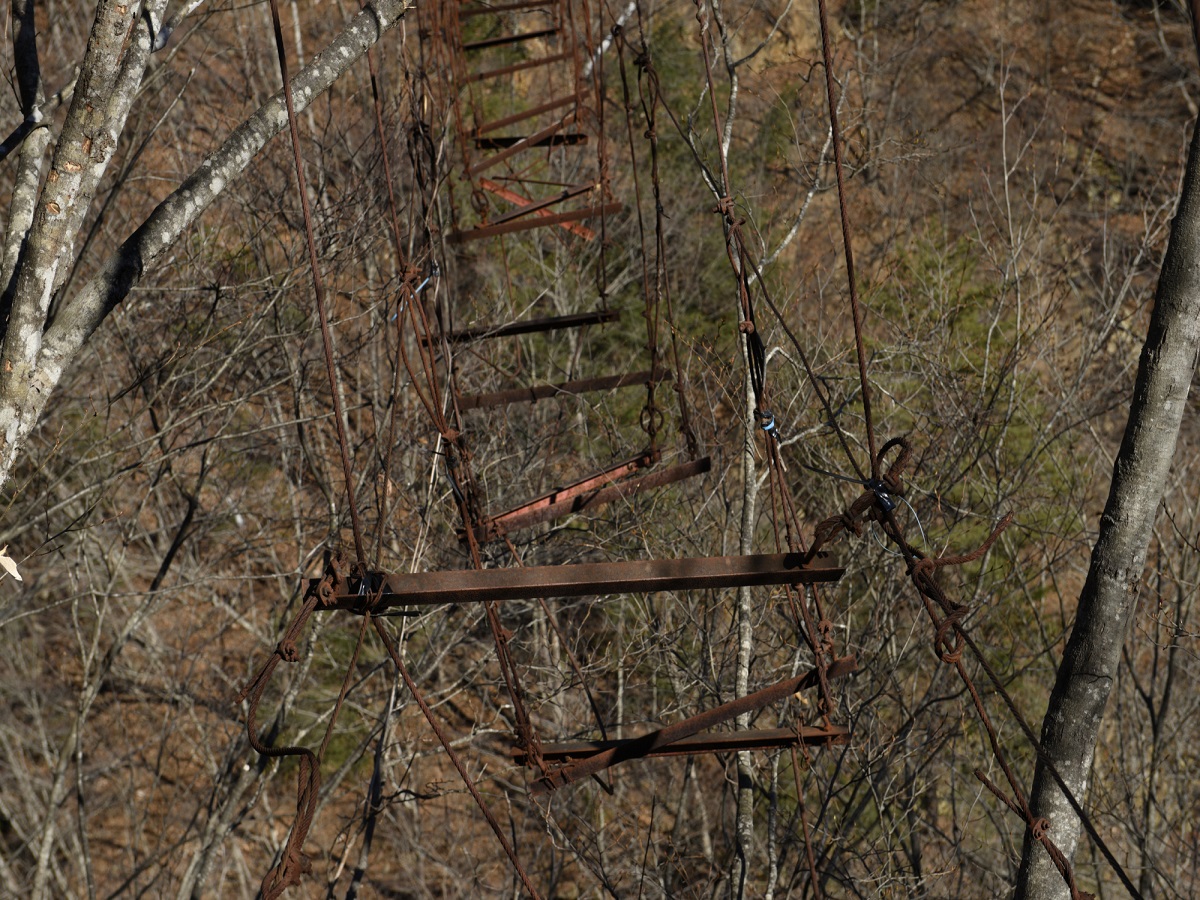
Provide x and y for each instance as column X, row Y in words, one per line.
column 1012, row 172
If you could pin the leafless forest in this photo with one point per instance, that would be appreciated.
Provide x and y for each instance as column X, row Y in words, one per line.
column 248, row 421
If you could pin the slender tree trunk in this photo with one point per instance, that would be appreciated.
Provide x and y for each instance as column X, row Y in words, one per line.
column 744, row 824
column 1107, row 603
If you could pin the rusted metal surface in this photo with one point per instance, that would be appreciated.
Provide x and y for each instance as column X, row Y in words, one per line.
column 506, row 7
column 585, row 580
column 504, row 39
column 521, row 66
column 537, row 512
column 571, row 139
column 577, row 215
column 530, row 326
column 586, row 485
column 538, row 206
column 647, row 744
column 521, row 143
column 513, row 119
column 513, row 197
column 536, row 392
column 704, row 742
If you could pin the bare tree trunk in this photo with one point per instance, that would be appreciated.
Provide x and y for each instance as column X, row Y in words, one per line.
column 744, row 824
column 1107, row 603
column 36, row 345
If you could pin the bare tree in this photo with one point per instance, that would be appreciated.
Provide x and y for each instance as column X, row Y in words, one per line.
column 48, row 315
column 1109, row 598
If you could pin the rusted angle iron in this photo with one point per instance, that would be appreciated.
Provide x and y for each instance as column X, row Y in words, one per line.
column 570, row 139
column 504, row 39
column 530, row 326
column 664, row 737
column 514, row 118
column 527, row 206
column 484, row 231
column 703, row 742
column 522, row 66
column 581, row 580
column 538, row 208
column 536, row 392
column 505, row 7
column 582, row 486
column 521, row 143
column 536, row 512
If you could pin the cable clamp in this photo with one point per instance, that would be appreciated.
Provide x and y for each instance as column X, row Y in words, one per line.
column 766, row 421
column 882, row 497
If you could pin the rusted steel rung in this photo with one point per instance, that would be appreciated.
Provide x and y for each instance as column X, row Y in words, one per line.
column 507, row 7
column 521, row 66
column 485, row 231
column 513, row 119
column 585, row 580
column 648, row 743
column 513, row 197
column 584, row 485
column 520, row 144
column 536, row 392
column 527, row 516
column 531, row 326
column 704, row 742
column 508, row 39
column 537, row 206
column 573, row 139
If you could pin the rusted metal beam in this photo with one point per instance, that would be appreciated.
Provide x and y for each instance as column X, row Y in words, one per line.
column 655, row 740
column 536, row 392
column 585, row 580
column 508, row 39
column 513, row 119
column 571, row 139
column 513, row 197
column 485, row 231
column 505, row 7
column 704, row 742
column 538, row 206
column 522, row 66
column 583, row 486
column 530, row 326
column 537, row 512
column 522, row 143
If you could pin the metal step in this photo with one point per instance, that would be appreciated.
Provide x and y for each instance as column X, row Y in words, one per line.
column 530, row 326
column 703, row 742
column 536, row 392
column 578, row 500
column 650, row 744
column 583, row 580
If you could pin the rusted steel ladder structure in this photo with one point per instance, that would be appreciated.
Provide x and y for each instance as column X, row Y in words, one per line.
column 528, row 105
column 529, row 121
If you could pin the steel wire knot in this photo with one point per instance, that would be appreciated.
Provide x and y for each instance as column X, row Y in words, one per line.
column 287, row 650
column 1039, row 827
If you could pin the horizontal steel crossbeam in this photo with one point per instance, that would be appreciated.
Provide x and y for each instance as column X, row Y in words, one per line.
column 484, row 231
column 536, row 392
column 531, row 326
column 564, row 504
column 664, row 737
column 704, row 742
column 504, row 39
column 587, row 579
